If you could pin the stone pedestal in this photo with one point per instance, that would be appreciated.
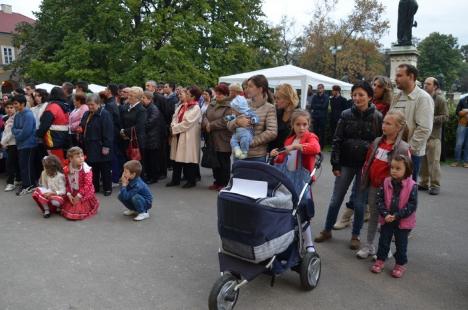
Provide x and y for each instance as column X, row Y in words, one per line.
column 402, row 55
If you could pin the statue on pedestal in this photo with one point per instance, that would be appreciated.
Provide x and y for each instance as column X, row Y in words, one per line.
column 406, row 11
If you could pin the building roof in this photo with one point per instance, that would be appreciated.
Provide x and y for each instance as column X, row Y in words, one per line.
column 8, row 21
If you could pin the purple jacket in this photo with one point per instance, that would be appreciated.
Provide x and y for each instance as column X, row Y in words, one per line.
column 407, row 202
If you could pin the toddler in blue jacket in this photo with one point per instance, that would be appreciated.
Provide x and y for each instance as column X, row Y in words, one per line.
column 241, row 139
column 134, row 193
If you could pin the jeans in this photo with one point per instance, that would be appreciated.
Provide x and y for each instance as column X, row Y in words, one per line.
column 461, row 144
column 340, row 188
column 430, row 166
column 242, row 138
column 387, row 231
column 28, row 175
column 136, row 203
column 416, row 166
column 374, row 215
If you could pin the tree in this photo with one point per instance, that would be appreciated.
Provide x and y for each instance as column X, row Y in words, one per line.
column 291, row 42
column 440, row 55
column 129, row 41
column 358, row 35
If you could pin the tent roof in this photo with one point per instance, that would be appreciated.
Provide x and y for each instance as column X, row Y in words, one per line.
column 289, row 74
column 46, row 86
column 95, row 88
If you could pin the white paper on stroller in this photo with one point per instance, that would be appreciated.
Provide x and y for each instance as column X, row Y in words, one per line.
column 249, row 188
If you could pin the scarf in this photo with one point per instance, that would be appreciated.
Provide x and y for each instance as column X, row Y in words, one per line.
column 185, row 107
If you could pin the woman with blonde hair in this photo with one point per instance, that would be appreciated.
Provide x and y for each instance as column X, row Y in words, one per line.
column 133, row 119
column 286, row 102
column 383, row 93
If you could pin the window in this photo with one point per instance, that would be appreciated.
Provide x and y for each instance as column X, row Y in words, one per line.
column 8, row 54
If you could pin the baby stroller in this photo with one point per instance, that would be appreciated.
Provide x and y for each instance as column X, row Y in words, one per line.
column 262, row 235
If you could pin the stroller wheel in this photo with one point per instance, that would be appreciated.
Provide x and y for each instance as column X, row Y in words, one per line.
column 222, row 295
column 310, row 271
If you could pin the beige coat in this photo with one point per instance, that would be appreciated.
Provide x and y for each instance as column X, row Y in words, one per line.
column 185, row 140
column 418, row 108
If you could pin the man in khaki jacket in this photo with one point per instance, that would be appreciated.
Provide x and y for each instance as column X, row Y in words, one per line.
column 418, row 108
column 430, row 166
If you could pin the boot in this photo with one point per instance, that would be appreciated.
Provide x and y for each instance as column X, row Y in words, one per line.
column 345, row 220
column 324, row 236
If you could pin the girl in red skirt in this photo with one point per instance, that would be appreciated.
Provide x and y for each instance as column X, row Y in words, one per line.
column 81, row 201
column 49, row 196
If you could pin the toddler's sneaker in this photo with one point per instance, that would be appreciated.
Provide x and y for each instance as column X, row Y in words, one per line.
column 46, row 214
column 237, row 152
column 10, row 187
column 243, row 155
column 398, row 271
column 129, row 212
column 141, row 216
column 378, row 266
column 366, row 251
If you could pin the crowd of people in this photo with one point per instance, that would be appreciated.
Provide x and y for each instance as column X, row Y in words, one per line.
column 67, row 145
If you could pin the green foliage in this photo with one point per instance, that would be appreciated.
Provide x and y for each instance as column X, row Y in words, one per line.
column 440, row 55
column 128, row 41
column 450, row 131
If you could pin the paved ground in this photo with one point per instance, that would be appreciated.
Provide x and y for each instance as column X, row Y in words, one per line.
column 170, row 260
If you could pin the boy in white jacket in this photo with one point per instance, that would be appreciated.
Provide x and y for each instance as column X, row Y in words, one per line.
column 9, row 143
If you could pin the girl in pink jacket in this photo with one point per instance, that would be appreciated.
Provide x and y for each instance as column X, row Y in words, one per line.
column 397, row 200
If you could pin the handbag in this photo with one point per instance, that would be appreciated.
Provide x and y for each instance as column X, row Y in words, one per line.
column 209, row 158
column 133, row 149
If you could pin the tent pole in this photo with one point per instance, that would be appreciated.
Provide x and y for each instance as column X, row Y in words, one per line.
column 304, row 93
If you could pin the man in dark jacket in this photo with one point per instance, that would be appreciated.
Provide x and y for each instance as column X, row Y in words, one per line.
column 319, row 107
column 110, row 105
column 155, row 137
column 67, row 88
column 338, row 104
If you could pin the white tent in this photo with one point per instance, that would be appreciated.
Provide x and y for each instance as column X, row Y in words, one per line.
column 299, row 78
column 96, row 88
column 46, row 86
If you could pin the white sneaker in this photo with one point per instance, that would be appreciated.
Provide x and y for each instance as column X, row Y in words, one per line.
column 26, row 191
column 141, row 216
column 366, row 251
column 243, row 155
column 237, row 152
column 10, row 187
column 129, row 212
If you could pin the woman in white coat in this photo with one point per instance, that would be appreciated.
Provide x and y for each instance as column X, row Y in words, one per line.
column 185, row 140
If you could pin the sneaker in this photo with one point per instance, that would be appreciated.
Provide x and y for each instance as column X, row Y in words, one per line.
column 434, row 191
column 378, row 266
column 237, row 152
column 354, row 243
column 25, row 191
column 129, row 212
column 345, row 220
column 324, row 236
column 243, row 155
column 455, row 164
column 141, row 216
column 398, row 271
column 10, row 187
column 366, row 251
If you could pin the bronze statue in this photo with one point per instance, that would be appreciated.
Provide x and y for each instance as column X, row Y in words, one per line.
column 406, row 11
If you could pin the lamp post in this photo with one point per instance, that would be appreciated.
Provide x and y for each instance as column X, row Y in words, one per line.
column 334, row 49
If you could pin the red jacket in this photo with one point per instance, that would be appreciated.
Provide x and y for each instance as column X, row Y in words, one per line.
column 310, row 148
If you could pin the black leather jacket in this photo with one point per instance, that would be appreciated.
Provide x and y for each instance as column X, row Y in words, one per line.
column 354, row 133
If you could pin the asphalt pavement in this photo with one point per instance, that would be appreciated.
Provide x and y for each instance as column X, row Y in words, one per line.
column 170, row 260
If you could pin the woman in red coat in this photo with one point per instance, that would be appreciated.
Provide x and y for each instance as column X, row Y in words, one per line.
column 81, row 202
